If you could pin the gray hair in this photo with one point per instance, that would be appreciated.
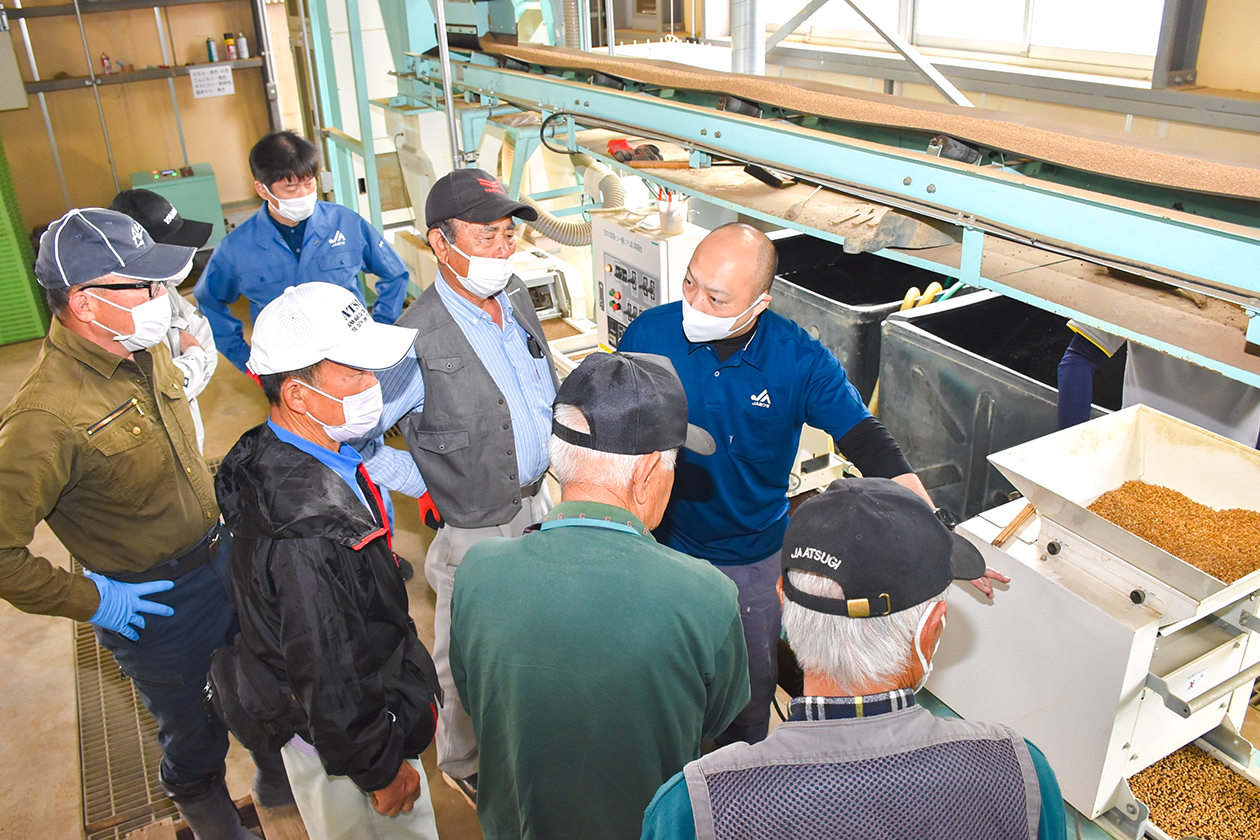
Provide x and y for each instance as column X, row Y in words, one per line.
column 849, row 651
column 573, row 464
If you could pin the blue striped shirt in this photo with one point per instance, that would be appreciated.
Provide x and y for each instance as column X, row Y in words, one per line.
column 524, row 381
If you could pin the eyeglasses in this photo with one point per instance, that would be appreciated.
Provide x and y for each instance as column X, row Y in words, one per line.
column 154, row 286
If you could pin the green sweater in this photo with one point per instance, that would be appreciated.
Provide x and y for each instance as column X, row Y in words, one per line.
column 593, row 663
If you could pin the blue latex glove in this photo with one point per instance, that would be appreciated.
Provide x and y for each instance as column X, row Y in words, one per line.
column 122, row 603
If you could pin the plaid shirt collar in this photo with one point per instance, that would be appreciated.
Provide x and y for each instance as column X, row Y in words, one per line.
column 838, row 708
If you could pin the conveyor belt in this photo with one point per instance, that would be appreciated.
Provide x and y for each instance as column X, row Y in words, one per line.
column 1126, row 159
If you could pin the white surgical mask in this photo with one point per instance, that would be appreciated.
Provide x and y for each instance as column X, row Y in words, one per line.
column 150, row 321
column 362, row 411
column 926, row 664
column 701, row 326
column 295, row 209
column 487, row 276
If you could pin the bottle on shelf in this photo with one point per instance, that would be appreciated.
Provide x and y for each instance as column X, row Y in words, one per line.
column 212, row 49
column 229, row 45
column 106, row 66
column 242, row 46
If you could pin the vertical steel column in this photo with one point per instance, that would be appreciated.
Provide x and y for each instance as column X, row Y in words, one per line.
column 170, row 82
column 43, row 107
column 611, row 25
column 96, row 93
column 748, row 38
column 584, row 25
column 325, row 78
column 371, row 176
column 262, row 49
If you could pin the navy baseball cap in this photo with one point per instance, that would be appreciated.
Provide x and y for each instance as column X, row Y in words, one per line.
column 161, row 219
column 634, row 404
column 472, row 195
column 881, row 542
column 90, row 243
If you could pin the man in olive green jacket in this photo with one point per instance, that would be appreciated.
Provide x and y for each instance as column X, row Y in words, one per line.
column 100, row 443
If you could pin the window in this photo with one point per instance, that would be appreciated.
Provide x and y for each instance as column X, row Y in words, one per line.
column 1067, row 34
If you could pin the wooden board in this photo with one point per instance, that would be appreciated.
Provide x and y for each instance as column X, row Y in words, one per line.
column 1018, row 135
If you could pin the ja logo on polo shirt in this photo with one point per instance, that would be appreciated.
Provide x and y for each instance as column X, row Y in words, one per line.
column 762, row 399
column 338, row 238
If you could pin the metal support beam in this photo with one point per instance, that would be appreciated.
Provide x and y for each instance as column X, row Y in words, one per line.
column 748, row 37
column 444, row 56
column 362, row 99
column 793, row 23
column 912, row 55
column 1177, row 52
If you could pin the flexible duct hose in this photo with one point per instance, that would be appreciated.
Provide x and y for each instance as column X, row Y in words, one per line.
column 576, row 234
column 572, row 25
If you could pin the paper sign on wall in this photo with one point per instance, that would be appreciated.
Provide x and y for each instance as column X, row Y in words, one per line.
column 214, row 80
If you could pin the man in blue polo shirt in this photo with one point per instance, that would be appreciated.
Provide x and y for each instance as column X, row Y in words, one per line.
column 293, row 238
column 752, row 379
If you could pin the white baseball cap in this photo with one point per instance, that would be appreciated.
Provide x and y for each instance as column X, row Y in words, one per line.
column 317, row 321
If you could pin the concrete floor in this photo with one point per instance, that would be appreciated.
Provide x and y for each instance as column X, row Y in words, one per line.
column 39, row 747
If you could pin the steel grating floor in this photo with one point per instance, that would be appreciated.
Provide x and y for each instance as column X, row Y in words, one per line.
column 118, row 749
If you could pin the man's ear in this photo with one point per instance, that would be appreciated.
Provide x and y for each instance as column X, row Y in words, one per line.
column 81, row 306
column 294, row 394
column 261, row 190
column 933, row 627
column 778, row 587
column 441, row 248
column 643, row 469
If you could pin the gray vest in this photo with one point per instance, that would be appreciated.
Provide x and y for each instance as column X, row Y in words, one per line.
column 462, row 440
column 894, row 776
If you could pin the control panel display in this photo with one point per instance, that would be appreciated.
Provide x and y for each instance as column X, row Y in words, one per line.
column 624, row 292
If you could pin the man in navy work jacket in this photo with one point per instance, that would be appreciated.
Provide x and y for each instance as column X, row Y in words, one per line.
column 865, row 571
column 752, row 379
column 292, row 239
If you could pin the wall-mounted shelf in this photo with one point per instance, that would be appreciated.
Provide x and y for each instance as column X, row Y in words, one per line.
column 80, row 82
column 88, row 7
column 39, row 86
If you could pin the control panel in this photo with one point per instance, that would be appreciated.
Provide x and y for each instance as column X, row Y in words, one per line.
column 634, row 271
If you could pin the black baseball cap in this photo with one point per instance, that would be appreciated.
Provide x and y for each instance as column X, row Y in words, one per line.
column 634, row 404
column 472, row 195
column 92, row 242
column 881, row 542
column 161, row 219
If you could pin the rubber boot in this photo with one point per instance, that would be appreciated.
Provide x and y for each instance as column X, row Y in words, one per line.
column 208, row 809
column 271, row 782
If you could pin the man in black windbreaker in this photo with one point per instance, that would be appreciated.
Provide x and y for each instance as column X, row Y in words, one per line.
column 323, row 609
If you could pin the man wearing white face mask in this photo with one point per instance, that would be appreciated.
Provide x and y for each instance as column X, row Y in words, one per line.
column 293, row 238
column 864, row 574
column 752, row 379
column 99, row 443
column 326, row 646
column 474, row 404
